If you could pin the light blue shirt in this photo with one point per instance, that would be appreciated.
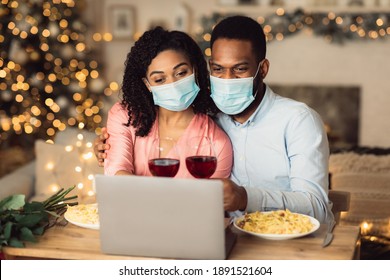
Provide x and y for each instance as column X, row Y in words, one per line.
column 281, row 157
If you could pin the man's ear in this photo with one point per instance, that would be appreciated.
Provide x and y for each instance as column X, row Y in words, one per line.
column 264, row 68
column 147, row 84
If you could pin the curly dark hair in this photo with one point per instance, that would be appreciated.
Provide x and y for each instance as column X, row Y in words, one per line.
column 136, row 97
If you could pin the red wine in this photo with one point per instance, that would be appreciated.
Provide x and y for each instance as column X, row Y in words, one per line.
column 164, row 167
column 201, row 166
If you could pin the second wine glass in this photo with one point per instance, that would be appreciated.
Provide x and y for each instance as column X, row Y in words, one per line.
column 201, row 160
column 163, row 159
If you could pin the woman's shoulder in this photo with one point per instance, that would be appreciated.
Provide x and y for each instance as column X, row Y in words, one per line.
column 118, row 106
column 118, row 110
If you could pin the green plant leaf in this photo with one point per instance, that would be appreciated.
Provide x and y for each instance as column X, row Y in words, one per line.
column 39, row 230
column 34, row 207
column 13, row 202
column 7, row 230
column 27, row 235
column 14, row 242
column 30, row 220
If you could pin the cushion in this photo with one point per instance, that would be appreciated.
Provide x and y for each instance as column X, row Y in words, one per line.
column 72, row 162
column 367, row 178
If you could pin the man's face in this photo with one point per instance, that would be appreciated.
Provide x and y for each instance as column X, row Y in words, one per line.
column 232, row 59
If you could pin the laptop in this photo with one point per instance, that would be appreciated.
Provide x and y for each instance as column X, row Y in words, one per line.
column 162, row 217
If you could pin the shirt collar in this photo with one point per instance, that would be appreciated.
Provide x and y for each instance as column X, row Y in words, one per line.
column 262, row 109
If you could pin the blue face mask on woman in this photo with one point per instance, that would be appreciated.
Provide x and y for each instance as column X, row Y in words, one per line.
column 176, row 96
column 232, row 96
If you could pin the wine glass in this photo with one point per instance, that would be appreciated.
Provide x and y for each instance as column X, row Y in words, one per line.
column 163, row 159
column 201, row 160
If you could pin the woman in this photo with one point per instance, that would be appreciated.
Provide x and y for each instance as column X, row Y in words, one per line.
column 165, row 94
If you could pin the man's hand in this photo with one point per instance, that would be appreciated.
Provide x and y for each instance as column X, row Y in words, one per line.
column 100, row 146
column 234, row 196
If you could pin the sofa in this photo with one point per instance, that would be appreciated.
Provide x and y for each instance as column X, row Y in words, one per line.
column 364, row 172
column 67, row 161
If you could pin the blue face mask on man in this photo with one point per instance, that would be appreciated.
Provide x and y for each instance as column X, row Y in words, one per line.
column 176, row 96
column 232, row 96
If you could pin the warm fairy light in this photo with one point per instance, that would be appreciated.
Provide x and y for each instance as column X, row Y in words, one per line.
column 279, row 37
column 267, row 28
column 97, row 37
column 87, row 155
column 50, row 132
column 80, row 136
column 90, row 177
column 49, row 102
column 34, row 30
column 54, row 187
column 114, row 86
column 78, row 169
column 80, row 186
column 91, row 193
column 80, row 47
column 63, row 23
column 45, row 33
column 331, row 15
column 97, row 119
column 77, row 96
column 353, row 28
column 107, row 37
column 280, row 11
column 50, row 166
column 207, row 37
column 94, row 74
column 365, row 227
column 19, row 98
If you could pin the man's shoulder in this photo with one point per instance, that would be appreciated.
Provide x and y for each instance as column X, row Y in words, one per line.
column 292, row 106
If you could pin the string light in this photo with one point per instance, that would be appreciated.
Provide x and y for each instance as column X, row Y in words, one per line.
column 334, row 27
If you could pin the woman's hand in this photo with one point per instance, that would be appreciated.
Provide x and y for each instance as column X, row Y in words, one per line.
column 100, row 147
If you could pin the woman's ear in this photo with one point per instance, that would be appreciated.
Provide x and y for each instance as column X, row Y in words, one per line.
column 147, row 84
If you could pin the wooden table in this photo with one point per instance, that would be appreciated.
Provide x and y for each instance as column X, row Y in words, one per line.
column 72, row 242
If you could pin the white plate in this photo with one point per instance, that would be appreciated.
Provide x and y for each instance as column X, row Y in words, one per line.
column 84, row 225
column 315, row 222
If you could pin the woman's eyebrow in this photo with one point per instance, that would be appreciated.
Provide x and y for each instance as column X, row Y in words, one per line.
column 174, row 68
column 180, row 64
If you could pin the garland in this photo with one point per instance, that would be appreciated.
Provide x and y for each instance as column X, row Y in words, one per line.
column 334, row 27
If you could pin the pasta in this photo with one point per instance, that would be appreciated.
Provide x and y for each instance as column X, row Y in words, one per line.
column 83, row 213
column 275, row 222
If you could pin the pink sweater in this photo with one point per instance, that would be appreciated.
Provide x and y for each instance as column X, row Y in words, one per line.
column 130, row 153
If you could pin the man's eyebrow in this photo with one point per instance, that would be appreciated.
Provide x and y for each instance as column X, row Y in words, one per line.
column 174, row 68
column 235, row 65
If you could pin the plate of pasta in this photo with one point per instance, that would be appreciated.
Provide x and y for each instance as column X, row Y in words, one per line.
column 276, row 225
column 83, row 215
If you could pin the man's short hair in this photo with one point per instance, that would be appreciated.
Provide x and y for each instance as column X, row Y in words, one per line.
column 241, row 28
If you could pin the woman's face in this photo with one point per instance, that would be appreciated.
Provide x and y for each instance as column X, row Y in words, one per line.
column 167, row 67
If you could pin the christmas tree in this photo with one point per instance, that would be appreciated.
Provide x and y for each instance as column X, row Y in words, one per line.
column 48, row 77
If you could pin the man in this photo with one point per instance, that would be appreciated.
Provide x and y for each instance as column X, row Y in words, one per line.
column 280, row 146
